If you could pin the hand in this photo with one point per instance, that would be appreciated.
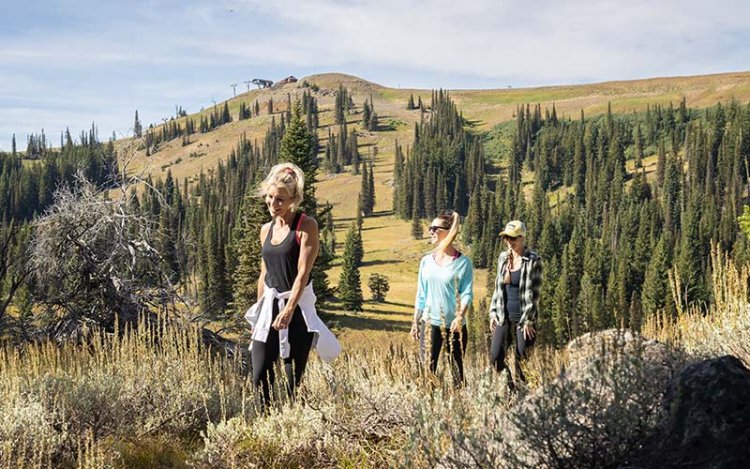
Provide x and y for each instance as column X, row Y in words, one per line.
column 493, row 324
column 456, row 324
column 282, row 320
column 528, row 332
column 414, row 331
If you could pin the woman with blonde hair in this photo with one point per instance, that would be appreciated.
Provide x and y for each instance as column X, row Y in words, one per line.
column 444, row 296
column 284, row 320
column 515, row 302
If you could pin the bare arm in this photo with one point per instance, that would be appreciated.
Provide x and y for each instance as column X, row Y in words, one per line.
column 262, row 278
column 308, row 252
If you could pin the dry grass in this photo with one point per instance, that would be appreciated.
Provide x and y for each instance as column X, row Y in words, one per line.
column 723, row 330
column 127, row 400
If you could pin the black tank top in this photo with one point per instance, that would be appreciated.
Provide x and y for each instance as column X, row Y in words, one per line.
column 281, row 259
column 513, row 296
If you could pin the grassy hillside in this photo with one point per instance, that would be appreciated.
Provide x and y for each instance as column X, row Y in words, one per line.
column 389, row 249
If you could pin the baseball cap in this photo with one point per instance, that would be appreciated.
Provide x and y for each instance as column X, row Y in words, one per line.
column 514, row 229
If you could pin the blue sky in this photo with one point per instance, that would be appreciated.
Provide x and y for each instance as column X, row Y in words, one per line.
column 69, row 63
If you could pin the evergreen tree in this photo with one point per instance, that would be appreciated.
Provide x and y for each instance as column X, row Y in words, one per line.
column 370, row 201
column 366, row 116
column 655, row 285
column 226, row 117
column 636, row 312
column 137, row 127
column 416, row 224
column 341, row 105
column 364, row 193
column 350, row 287
column 297, row 147
column 379, row 286
column 245, row 247
column 638, row 138
column 358, row 220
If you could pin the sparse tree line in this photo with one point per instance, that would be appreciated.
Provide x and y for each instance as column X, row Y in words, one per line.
column 177, row 127
column 342, row 147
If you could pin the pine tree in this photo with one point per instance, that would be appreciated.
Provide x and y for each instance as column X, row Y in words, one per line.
column 636, row 312
column 350, row 287
column 245, row 247
column 638, row 138
column 416, row 217
column 137, row 127
column 358, row 220
column 370, row 202
column 364, row 193
column 379, row 286
column 297, row 146
column 340, row 105
column 329, row 232
column 366, row 116
column 416, row 225
column 226, row 117
column 353, row 150
column 655, row 286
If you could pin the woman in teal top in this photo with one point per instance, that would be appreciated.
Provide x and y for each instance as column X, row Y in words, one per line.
column 444, row 294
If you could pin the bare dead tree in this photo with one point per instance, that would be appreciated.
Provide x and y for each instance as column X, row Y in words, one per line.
column 94, row 259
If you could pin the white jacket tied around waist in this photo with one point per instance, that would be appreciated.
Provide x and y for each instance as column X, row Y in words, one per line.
column 260, row 316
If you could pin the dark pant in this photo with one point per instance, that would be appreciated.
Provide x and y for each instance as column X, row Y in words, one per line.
column 455, row 347
column 264, row 355
column 506, row 334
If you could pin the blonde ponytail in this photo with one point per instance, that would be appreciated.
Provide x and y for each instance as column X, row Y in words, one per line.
column 454, row 220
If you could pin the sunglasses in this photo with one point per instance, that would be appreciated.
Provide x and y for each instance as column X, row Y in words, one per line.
column 510, row 238
column 434, row 228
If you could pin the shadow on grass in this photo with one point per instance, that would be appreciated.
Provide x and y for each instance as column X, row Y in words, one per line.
column 379, row 262
column 405, row 305
column 364, row 323
column 382, row 213
column 372, row 228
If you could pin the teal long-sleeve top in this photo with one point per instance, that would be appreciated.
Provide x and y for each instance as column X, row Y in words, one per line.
column 438, row 287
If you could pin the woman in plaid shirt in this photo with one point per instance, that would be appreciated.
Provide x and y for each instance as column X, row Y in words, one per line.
column 515, row 301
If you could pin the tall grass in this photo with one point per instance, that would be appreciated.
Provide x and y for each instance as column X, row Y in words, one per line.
column 724, row 329
column 71, row 404
column 140, row 398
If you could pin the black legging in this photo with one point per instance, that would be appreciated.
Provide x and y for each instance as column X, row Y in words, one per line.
column 265, row 354
column 456, row 347
column 506, row 334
